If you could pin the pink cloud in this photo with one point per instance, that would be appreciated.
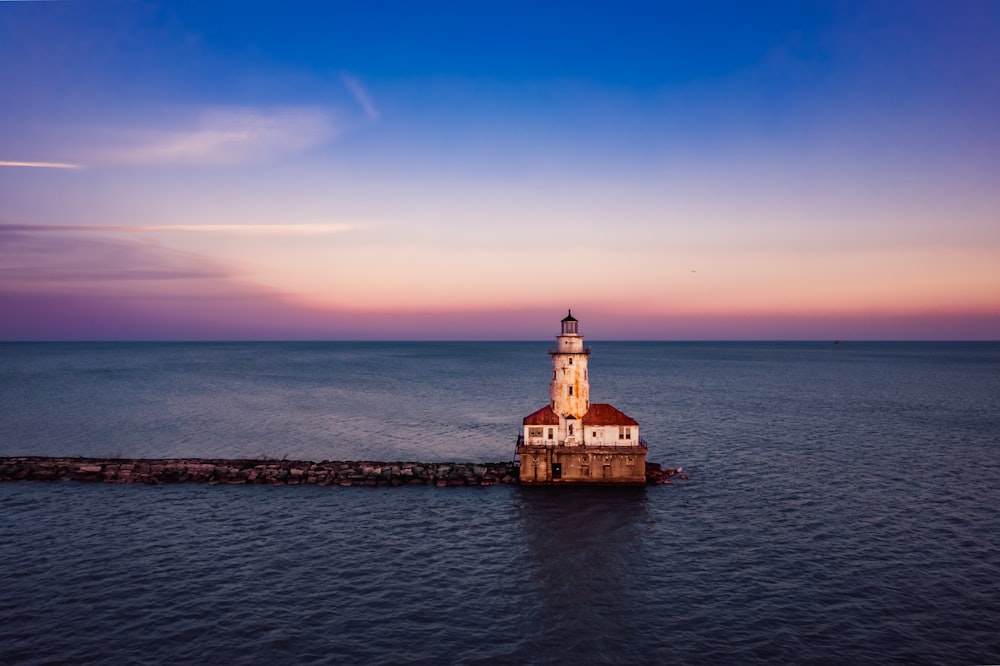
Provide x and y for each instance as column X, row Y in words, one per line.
column 245, row 313
column 29, row 258
column 221, row 136
column 68, row 286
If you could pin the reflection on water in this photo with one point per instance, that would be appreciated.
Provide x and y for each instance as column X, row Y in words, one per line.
column 584, row 551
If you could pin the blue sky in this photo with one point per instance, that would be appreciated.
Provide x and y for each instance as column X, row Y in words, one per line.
column 710, row 170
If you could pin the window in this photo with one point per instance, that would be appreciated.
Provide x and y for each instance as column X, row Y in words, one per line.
column 595, row 434
column 556, row 470
column 571, row 360
column 534, row 432
column 570, row 429
column 621, row 432
column 628, row 433
column 571, row 390
column 550, row 433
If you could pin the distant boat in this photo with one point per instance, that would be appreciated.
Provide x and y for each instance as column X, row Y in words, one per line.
column 836, row 342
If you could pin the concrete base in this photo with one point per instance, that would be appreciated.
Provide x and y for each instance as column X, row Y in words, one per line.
column 580, row 465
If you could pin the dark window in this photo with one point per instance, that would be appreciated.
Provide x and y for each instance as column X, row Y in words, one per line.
column 550, row 433
column 571, row 390
column 571, row 360
column 556, row 470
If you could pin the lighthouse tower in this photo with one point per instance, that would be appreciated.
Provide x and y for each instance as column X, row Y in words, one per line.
column 569, row 390
column 570, row 440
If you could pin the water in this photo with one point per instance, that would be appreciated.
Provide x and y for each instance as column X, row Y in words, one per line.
column 842, row 507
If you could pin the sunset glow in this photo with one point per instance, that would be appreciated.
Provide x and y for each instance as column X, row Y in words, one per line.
column 447, row 171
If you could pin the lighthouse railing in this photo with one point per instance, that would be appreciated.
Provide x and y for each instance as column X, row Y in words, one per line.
column 585, row 350
column 573, row 444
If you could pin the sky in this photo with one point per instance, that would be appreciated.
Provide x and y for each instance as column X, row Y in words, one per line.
column 453, row 170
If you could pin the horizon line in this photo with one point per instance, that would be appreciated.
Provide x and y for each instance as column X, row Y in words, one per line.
column 830, row 341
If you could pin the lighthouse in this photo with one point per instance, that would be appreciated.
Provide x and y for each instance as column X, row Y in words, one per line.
column 574, row 441
column 569, row 390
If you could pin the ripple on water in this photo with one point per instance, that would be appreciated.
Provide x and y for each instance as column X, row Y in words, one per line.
column 840, row 509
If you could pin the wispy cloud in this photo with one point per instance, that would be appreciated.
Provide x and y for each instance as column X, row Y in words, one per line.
column 26, row 258
column 319, row 229
column 361, row 95
column 224, row 136
column 41, row 165
column 94, row 286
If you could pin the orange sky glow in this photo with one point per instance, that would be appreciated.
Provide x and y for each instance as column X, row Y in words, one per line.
column 815, row 174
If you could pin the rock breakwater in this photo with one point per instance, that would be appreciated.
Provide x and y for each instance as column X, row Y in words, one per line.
column 273, row 472
column 254, row 471
column 657, row 475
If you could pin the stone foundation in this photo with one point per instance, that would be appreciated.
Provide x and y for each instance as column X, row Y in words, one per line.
column 598, row 465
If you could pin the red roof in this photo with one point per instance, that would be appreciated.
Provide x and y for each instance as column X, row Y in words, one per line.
column 544, row 416
column 602, row 414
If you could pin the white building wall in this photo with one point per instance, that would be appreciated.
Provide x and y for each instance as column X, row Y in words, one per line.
column 591, row 435
column 541, row 435
column 608, row 435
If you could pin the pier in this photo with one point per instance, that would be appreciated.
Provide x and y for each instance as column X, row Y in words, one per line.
column 155, row 471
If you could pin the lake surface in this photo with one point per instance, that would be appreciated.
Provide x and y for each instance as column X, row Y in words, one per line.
column 842, row 507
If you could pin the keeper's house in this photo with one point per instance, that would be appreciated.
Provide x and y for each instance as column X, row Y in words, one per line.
column 571, row 440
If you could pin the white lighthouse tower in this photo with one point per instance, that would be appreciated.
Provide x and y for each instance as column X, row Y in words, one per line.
column 571, row 440
column 569, row 391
